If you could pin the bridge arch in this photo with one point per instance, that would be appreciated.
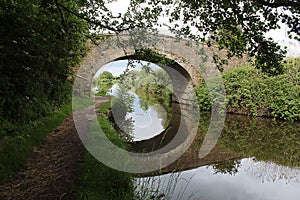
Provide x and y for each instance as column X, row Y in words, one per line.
column 181, row 54
column 189, row 59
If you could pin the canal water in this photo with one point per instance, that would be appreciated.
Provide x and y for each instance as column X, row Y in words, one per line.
column 254, row 159
column 147, row 122
column 267, row 167
column 252, row 180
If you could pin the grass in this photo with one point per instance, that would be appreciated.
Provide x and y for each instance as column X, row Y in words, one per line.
column 98, row 181
column 81, row 102
column 15, row 149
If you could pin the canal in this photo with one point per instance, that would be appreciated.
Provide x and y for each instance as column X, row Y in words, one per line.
column 255, row 158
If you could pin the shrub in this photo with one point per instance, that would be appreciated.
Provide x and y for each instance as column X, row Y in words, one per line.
column 249, row 91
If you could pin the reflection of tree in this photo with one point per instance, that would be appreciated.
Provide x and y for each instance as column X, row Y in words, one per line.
column 144, row 104
column 152, row 85
column 271, row 172
column 275, row 144
column 123, row 100
column 122, row 104
column 264, row 139
column 228, row 167
column 160, row 103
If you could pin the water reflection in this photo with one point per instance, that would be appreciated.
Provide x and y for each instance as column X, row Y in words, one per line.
column 246, row 183
column 263, row 138
column 147, row 121
column 269, row 168
column 121, row 105
column 142, row 93
column 270, row 149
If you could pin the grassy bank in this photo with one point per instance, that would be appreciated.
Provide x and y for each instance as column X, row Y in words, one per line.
column 98, row 181
column 251, row 92
column 17, row 147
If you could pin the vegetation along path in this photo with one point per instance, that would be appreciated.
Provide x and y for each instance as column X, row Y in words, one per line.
column 50, row 172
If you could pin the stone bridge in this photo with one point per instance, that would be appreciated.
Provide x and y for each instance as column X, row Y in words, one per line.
column 193, row 64
column 184, row 75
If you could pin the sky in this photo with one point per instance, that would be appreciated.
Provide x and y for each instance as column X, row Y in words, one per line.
column 118, row 67
column 115, row 67
column 120, row 6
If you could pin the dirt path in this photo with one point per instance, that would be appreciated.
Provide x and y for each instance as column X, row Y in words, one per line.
column 51, row 171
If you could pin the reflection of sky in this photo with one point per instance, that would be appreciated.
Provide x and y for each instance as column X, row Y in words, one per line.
column 147, row 123
column 247, row 184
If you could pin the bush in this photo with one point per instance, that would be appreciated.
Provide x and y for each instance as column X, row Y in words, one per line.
column 249, row 91
column 37, row 51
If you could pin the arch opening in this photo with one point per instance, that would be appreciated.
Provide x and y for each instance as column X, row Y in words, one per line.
column 133, row 68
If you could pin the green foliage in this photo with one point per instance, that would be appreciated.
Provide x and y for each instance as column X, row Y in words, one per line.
column 205, row 97
column 152, row 85
column 98, row 181
column 153, row 80
column 239, row 26
column 284, row 98
column 154, row 57
column 104, row 82
column 39, row 46
column 249, row 91
column 16, row 142
column 266, row 61
column 242, row 30
column 245, row 89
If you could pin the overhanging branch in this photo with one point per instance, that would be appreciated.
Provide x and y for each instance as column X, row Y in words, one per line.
column 63, row 21
column 93, row 22
column 293, row 4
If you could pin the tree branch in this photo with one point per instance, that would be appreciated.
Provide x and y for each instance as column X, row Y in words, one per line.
column 63, row 21
column 93, row 22
column 279, row 4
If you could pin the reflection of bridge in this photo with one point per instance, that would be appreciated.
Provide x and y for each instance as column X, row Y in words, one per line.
column 190, row 159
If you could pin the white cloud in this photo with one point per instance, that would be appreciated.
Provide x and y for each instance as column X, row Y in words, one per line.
column 118, row 6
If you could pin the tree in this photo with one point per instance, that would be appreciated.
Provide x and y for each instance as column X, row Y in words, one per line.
column 39, row 45
column 105, row 81
column 237, row 25
column 240, row 26
column 40, row 40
